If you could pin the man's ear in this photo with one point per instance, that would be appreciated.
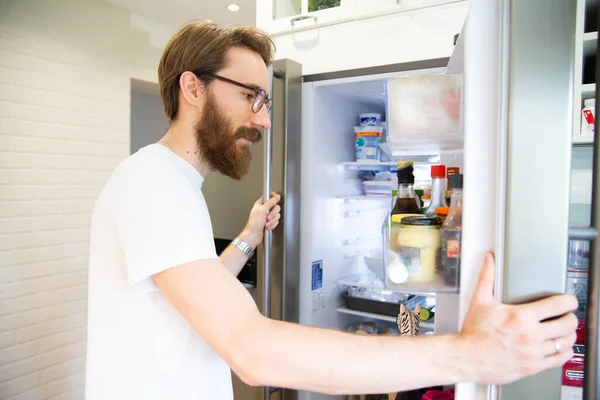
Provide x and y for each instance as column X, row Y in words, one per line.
column 191, row 89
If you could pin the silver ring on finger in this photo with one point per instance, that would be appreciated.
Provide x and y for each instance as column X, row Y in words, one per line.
column 557, row 346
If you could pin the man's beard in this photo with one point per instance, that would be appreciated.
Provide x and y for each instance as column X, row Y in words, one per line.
column 217, row 142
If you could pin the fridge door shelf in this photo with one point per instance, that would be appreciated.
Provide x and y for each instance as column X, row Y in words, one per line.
column 400, row 155
column 413, row 262
column 426, row 147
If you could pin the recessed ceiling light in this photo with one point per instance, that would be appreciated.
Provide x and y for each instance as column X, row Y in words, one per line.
column 233, row 7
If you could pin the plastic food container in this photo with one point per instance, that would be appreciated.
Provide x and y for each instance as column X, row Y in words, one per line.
column 412, row 257
column 370, row 119
column 379, row 188
column 419, row 240
column 366, row 140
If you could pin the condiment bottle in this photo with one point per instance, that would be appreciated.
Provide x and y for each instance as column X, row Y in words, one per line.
column 407, row 202
column 438, row 189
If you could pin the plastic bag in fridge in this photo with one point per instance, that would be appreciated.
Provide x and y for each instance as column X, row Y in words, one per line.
column 424, row 112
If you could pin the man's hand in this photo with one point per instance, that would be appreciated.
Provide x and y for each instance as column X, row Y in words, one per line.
column 510, row 342
column 263, row 215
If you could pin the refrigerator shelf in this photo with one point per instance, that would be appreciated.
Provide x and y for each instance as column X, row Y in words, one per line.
column 583, row 140
column 367, row 165
column 354, row 280
column 590, row 41
column 365, row 197
column 581, row 188
column 588, row 91
column 345, row 310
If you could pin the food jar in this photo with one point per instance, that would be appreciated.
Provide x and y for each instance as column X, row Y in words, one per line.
column 419, row 241
column 579, row 255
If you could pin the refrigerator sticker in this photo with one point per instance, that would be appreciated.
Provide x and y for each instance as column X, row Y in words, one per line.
column 318, row 300
column 317, row 275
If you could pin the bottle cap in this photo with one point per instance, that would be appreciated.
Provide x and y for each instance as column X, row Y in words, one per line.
column 442, row 210
column 590, row 102
column 438, row 171
column 405, row 172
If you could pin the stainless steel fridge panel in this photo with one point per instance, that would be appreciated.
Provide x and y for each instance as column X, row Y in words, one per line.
column 541, row 53
column 285, row 180
column 291, row 208
column 591, row 384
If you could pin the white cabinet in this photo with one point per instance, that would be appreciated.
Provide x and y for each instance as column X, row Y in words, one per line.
column 361, row 33
column 279, row 16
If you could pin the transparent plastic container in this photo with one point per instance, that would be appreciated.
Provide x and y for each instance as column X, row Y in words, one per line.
column 412, row 255
column 424, row 114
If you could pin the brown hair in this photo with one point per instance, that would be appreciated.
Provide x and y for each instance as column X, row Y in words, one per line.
column 203, row 46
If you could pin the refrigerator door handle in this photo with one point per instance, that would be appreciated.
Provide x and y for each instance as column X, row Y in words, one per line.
column 267, row 244
column 591, row 379
column 267, row 189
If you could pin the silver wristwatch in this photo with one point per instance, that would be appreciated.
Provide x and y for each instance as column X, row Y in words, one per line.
column 243, row 246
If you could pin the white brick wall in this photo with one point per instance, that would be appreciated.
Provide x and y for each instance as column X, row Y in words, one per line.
column 64, row 125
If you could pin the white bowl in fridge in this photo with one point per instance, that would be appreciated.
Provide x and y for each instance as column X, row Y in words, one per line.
column 374, row 261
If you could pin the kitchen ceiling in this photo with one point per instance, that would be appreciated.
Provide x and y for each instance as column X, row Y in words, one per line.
column 174, row 13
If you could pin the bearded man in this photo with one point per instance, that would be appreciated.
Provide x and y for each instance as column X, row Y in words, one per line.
column 169, row 320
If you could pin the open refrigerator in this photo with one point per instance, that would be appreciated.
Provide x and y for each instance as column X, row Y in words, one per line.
column 527, row 179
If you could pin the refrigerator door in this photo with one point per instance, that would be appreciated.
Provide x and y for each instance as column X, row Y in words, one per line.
column 536, row 122
column 279, row 256
column 591, row 388
column 519, row 84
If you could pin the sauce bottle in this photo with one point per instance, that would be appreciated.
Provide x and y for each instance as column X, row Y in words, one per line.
column 407, row 203
column 438, row 189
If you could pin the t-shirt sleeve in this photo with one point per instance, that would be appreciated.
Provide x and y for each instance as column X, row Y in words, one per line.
column 161, row 221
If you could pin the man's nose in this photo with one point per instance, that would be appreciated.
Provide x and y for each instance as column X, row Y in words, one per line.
column 261, row 118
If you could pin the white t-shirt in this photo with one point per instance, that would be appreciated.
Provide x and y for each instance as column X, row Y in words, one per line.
column 151, row 216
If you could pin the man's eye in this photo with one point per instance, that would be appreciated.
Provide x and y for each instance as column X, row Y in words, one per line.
column 248, row 96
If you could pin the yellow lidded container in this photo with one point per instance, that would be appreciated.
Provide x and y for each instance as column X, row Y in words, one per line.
column 395, row 229
column 418, row 242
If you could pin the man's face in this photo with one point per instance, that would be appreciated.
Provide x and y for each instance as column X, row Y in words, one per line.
column 228, row 125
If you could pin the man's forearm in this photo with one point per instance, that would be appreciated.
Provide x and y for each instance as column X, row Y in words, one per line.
column 233, row 258
column 327, row 361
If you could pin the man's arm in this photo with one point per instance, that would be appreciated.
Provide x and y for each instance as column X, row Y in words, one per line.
column 500, row 343
column 262, row 216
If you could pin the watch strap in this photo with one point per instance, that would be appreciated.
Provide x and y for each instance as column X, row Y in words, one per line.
column 243, row 247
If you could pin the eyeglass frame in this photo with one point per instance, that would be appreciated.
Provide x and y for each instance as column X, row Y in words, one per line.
column 258, row 92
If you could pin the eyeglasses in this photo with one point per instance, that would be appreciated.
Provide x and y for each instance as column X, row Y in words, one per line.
column 260, row 96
